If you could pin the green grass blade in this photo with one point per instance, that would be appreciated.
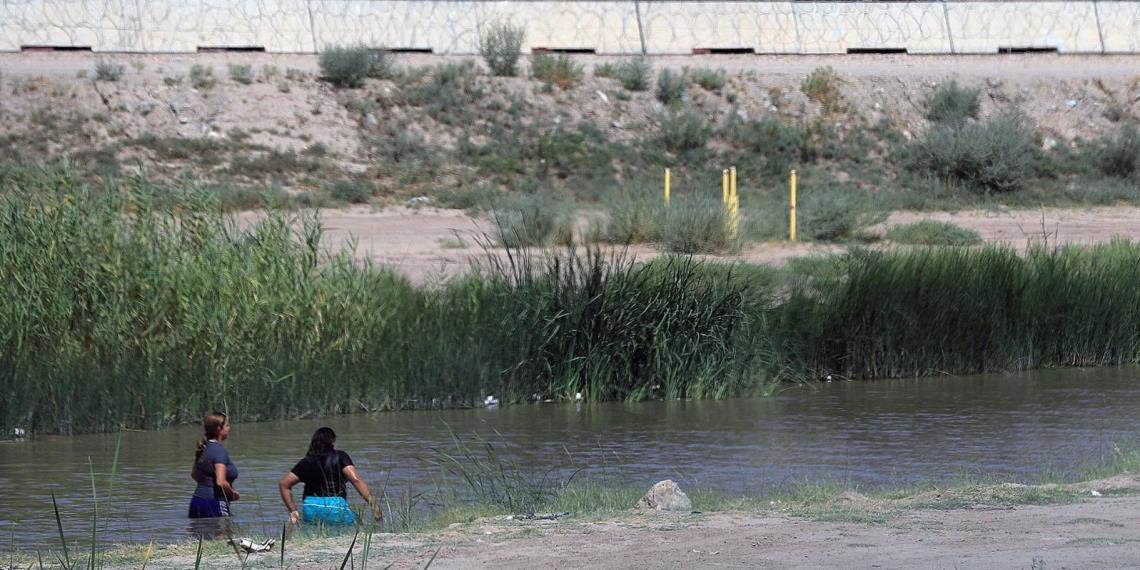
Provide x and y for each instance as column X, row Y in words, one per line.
column 283, row 527
column 429, row 562
column 348, row 554
column 59, row 527
column 94, row 515
column 198, row 557
column 364, row 550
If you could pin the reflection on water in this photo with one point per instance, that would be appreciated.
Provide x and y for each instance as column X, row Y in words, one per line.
column 868, row 433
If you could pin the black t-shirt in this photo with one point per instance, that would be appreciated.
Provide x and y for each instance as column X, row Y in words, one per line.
column 323, row 476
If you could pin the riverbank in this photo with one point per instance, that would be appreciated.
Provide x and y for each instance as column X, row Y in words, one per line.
column 1091, row 524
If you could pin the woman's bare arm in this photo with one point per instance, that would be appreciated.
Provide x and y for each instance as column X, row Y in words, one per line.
column 285, row 486
column 221, row 481
column 353, row 477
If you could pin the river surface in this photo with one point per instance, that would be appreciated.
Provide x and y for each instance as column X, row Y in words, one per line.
column 867, row 434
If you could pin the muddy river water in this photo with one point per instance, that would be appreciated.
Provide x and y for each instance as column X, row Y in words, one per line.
column 869, row 434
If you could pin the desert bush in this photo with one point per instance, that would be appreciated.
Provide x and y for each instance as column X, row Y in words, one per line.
column 561, row 70
column 242, row 74
column 525, row 220
column 501, row 47
column 708, row 79
column 933, row 232
column 694, row 224
column 106, row 70
column 350, row 65
column 836, row 214
column 776, row 144
column 822, row 86
column 950, row 103
column 633, row 73
column 685, row 131
column 998, row 155
column 450, row 94
column 202, row 77
column 670, row 87
column 1119, row 155
column 351, row 191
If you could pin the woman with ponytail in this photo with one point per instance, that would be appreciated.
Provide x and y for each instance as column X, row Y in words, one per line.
column 213, row 471
column 324, row 470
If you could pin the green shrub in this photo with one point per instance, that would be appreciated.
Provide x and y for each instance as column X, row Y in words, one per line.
column 822, row 86
column 633, row 73
column 632, row 217
column 708, row 79
column 998, row 155
column 839, row 214
column 242, row 74
column 202, row 77
column 777, row 145
column 501, row 48
column 693, row 224
column 346, row 66
column 351, row 191
column 525, row 220
column 932, row 232
column 1119, row 155
column 684, row 131
column 561, row 71
column 451, row 93
column 951, row 104
column 381, row 65
column 670, row 87
column 106, row 70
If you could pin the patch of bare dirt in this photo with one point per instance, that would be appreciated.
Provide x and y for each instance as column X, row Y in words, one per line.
column 1098, row 533
column 427, row 243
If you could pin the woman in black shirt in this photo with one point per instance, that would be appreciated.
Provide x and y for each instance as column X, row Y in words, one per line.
column 324, row 470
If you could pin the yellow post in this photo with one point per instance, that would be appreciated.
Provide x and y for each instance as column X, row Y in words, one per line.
column 792, row 211
column 667, row 173
column 733, row 204
column 724, row 187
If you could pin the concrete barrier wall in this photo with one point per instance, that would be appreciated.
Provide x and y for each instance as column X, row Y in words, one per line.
column 652, row 26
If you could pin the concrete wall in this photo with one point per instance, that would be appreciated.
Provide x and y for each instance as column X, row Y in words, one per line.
column 655, row 26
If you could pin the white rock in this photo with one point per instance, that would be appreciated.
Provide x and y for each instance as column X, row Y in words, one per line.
column 1095, row 493
column 602, row 96
column 666, row 496
column 1071, row 103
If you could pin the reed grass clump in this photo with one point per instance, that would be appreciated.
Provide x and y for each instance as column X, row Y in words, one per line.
column 136, row 305
column 933, row 232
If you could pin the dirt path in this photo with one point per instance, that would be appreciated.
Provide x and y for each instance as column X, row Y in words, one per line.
column 1102, row 534
column 1099, row 533
column 428, row 243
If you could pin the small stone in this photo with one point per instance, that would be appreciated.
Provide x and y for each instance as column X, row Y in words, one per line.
column 419, row 201
column 1071, row 103
column 1048, row 143
column 602, row 96
column 616, row 124
column 666, row 496
column 371, row 120
column 183, row 120
column 743, row 114
column 1094, row 493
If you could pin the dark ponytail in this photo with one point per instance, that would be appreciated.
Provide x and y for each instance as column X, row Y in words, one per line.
column 212, row 425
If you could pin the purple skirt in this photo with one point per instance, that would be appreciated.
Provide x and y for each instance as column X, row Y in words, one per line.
column 208, row 508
